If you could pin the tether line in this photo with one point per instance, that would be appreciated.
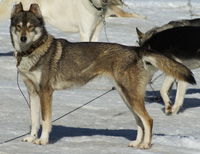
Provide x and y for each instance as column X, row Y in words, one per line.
column 62, row 115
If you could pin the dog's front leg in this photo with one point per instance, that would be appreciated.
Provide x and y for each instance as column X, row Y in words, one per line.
column 35, row 116
column 46, row 109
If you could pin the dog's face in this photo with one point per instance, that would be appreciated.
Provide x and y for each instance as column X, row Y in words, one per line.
column 26, row 26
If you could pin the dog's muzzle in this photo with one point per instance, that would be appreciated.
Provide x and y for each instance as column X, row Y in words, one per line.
column 23, row 39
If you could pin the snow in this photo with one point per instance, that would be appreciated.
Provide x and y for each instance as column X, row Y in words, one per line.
column 105, row 126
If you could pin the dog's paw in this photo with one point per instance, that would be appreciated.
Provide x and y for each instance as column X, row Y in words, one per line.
column 144, row 145
column 139, row 145
column 40, row 141
column 168, row 110
column 175, row 109
column 29, row 139
column 134, row 144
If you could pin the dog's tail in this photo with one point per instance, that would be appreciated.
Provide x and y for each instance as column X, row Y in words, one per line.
column 168, row 66
column 5, row 9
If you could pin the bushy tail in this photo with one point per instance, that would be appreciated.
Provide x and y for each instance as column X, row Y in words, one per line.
column 169, row 66
column 5, row 9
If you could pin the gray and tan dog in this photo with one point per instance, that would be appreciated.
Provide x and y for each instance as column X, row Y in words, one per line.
column 47, row 64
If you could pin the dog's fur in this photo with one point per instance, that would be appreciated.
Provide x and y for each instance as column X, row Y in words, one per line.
column 77, row 16
column 115, row 8
column 179, row 40
column 47, row 64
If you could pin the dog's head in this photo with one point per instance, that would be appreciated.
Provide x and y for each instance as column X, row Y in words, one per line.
column 26, row 26
column 100, row 3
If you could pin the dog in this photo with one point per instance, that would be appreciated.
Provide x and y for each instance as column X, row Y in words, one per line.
column 78, row 16
column 47, row 64
column 180, row 41
column 115, row 8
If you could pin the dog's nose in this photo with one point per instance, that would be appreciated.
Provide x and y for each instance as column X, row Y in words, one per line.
column 23, row 39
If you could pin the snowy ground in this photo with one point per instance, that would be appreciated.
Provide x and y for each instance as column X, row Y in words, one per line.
column 105, row 126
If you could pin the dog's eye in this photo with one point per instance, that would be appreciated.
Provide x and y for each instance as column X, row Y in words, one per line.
column 18, row 27
column 31, row 27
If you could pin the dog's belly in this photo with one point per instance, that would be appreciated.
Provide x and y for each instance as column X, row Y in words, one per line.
column 61, row 85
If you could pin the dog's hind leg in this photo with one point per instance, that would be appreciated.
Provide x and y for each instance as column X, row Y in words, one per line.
column 144, row 123
column 164, row 93
column 46, row 108
column 135, row 102
column 181, row 89
column 140, row 131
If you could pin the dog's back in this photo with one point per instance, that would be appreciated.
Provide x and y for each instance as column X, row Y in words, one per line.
column 181, row 42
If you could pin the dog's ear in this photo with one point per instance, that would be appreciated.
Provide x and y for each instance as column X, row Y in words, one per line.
column 139, row 33
column 16, row 9
column 35, row 9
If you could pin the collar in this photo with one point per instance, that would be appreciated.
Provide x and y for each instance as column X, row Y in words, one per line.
column 33, row 47
column 19, row 55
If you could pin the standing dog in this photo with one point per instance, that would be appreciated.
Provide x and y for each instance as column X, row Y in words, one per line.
column 47, row 64
column 179, row 40
column 78, row 16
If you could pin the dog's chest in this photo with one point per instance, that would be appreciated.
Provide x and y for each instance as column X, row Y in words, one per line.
column 25, row 65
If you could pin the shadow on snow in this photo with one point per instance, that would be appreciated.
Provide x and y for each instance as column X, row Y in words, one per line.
column 7, row 54
column 188, row 102
column 59, row 132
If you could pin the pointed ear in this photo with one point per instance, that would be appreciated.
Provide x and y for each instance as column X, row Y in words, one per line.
column 35, row 9
column 139, row 33
column 16, row 9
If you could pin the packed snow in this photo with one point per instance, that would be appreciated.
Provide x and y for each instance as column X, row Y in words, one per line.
column 105, row 126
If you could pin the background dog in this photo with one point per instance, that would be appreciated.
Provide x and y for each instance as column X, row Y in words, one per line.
column 78, row 16
column 47, row 64
column 179, row 40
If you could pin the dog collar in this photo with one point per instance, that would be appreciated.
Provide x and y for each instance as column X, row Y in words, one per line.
column 34, row 46
column 19, row 55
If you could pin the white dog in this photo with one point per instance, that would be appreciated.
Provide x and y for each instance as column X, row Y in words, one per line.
column 79, row 16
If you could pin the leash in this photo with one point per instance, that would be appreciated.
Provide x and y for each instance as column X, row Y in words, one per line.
column 21, row 89
column 70, row 112
column 154, row 97
column 104, row 24
column 113, row 88
column 125, row 4
column 101, row 13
